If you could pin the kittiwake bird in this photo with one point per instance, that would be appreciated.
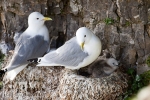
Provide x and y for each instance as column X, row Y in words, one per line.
column 76, row 53
column 102, row 67
column 33, row 42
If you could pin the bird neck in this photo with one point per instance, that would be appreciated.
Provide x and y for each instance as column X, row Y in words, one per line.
column 34, row 29
column 33, row 26
column 43, row 31
column 93, row 41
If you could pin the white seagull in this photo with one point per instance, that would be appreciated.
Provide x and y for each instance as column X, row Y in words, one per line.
column 33, row 42
column 76, row 53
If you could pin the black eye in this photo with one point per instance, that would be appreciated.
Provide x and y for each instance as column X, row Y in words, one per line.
column 84, row 35
column 37, row 18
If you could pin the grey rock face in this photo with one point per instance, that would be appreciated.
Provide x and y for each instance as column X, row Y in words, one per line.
column 127, row 38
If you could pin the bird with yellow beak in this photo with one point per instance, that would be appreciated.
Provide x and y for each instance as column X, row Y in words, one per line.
column 82, row 45
column 76, row 53
column 33, row 42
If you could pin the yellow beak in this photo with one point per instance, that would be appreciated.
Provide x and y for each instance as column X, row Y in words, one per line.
column 82, row 46
column 46, row 18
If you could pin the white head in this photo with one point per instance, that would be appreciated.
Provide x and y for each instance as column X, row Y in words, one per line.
column 83, row 36
column 112, row 62
column 36, row 19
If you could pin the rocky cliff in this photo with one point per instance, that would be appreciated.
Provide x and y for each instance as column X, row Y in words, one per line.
column 122, row 25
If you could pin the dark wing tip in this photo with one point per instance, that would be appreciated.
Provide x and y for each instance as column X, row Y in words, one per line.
column 34, row 60
column 2, row 72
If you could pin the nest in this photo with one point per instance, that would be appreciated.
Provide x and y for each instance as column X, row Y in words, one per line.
column 76, row 87
column 57, row 83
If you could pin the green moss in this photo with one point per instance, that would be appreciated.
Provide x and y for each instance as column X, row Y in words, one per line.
column 128, row 23
column 148, row 61
column 136, row 83
column 109, row 21
column 1, row 85
column 1, row 58
column 118, row 18
column 146, row 77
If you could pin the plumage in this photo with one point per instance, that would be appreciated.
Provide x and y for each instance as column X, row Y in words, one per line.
column 76, row 53
column 61, row 57
column 33, row 42
column 28, row 47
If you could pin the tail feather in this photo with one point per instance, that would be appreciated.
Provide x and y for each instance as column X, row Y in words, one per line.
column 10, row 75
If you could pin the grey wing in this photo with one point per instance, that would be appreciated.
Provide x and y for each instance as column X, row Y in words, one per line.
column 28, row 47
column 70, row 54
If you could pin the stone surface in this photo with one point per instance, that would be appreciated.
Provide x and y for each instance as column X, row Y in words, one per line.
column 127, row 38
column 32, row 85
column 42, row 83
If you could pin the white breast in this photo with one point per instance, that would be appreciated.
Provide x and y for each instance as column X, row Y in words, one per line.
column 43, row 31
column 93, row 50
